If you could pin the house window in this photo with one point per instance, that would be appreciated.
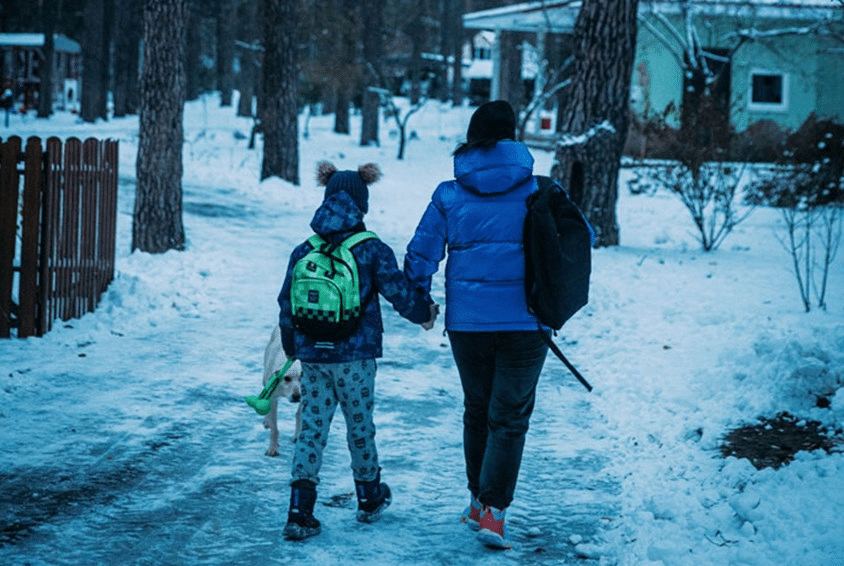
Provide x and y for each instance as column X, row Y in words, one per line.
column 768, row 90
column 483, row 53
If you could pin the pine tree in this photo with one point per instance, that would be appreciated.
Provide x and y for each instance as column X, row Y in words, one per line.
column 95, row 55
column 373, row 50
column 157, row 225
column 279, row 101
column 226, row 26
column 49, row 13
column 128, row 31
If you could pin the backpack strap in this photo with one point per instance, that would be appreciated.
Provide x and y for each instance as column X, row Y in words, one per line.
column 349, row 243
column 557, row 352
column 546, row 183
column 358, row 238
column 316, row 241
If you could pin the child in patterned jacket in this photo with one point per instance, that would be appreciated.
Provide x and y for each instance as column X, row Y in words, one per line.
column 343, row 372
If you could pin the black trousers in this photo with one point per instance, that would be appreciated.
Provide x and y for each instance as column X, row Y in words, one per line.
column 499, row 372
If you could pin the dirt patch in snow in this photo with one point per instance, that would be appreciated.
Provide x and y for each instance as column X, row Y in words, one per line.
column 773, row 442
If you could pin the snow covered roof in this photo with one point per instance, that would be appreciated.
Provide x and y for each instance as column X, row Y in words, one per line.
column 62, row 42
column 485, row 38
column 560, row 16
column 528, row 16
column 769, row 9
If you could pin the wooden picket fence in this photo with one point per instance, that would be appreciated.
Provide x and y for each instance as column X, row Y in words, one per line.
column 58, row 213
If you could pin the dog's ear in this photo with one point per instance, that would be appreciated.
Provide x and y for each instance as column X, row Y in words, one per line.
column 325, row 169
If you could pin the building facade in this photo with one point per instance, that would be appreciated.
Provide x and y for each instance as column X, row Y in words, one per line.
column 774, row 61
column 21, row 63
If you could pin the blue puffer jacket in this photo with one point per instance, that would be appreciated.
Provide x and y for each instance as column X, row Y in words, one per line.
column 335, row 220
column 479, row 217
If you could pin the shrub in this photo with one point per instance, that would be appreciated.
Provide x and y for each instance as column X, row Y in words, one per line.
column 762, row 141
column 707, row 189
column 808, row 189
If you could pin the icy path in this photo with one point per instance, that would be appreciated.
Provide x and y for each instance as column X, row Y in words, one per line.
column 141, row 450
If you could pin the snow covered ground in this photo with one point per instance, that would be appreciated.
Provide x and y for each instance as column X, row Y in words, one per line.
column 124, row 438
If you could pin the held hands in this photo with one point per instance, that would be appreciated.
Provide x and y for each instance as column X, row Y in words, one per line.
column 435, row 310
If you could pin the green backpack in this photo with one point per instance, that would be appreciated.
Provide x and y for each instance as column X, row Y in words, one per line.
column 325, row 289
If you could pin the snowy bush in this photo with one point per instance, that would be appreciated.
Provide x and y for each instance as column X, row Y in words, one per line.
column 700, row 172
column 641, row 183
column 808, row 188
column 708, row 190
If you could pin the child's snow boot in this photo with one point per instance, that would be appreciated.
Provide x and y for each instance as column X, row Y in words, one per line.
column 492, row 532
column 301, row 522
column 472, row 514
column 373, row 498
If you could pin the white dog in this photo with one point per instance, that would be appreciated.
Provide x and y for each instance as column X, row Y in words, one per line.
column 289, row 387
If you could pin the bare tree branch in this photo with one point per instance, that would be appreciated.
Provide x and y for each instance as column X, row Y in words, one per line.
column 391, row 109
column 691, row 53
column 756, row 34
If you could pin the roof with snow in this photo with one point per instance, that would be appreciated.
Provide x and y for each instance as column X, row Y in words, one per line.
column 62, row 42
column 560, row 16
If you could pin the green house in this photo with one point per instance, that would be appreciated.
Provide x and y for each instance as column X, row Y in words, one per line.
column 774, row 62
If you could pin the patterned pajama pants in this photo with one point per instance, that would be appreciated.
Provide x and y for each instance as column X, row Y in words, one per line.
column 324, row 386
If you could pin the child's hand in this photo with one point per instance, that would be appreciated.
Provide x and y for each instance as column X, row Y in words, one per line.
column 435, row 310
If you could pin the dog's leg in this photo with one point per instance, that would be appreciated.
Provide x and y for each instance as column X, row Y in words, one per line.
column 271, row 423
column 271, row 353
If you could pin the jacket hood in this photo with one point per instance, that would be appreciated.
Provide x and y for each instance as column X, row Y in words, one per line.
column 495, row 170
column 336, row 216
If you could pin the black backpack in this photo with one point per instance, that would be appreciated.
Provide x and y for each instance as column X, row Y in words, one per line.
column 558, row 259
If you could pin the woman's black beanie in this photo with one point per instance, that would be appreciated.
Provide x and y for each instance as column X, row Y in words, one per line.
column 492, row 121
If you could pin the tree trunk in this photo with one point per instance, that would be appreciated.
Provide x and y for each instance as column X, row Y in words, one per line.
column 560, row 50
column 127, row 42
column 443, row 91
column 705, row 108
column 226, row 21
column 416, row 36
column 596, row 116
column 279, row 111
column 348, row 69
column 157, row 225
column 246, row 84
column 511, row 86
column 456, row 35
column 49, row 13
column 249, row 59
column 108, row 35
column 369, row 118
column 341, row 112
column 95, row 62
column 373, row 15
column 193, row 51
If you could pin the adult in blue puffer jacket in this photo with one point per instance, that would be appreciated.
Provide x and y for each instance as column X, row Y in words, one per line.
column 343, row 373
column 478, row 218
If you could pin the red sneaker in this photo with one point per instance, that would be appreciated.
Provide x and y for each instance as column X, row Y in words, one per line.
column 472, row 515
column 492, row 532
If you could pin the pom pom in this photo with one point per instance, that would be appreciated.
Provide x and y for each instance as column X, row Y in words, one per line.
column 325, row 169
column 370, row 173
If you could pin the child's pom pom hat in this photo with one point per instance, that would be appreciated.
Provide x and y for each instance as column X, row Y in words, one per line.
column 355, row 183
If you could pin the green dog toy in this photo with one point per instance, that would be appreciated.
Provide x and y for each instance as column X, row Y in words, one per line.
column 262, row 403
